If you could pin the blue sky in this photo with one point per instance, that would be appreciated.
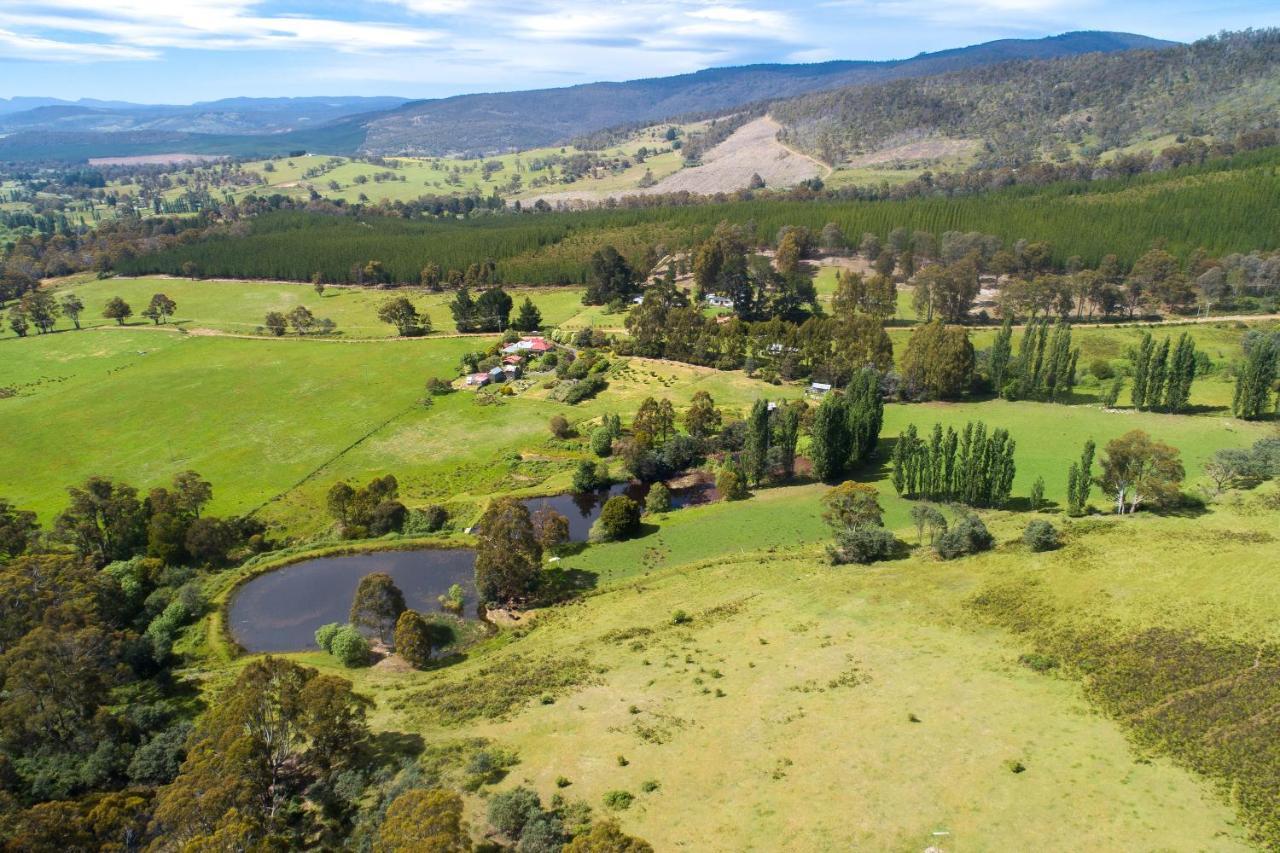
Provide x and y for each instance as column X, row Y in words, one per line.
column 179, row 51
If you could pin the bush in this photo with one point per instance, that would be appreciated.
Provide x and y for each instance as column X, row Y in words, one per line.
column 588, row 477
column 388, row 517
column 156, row 762
column 731, row 485
column 510, row 811
column 658, row 500
column 619, row 800
column 437, row 387
column 559, row 426
column 862, row 543
column 1102, row 369
column 583, row 389
column 428, row 519
column 619, row 519
column 1040, row 535
column 325, row 635
column 967, row 536
column 681, row 618
column 350, row 647
column 453, row 600
column 602, row 442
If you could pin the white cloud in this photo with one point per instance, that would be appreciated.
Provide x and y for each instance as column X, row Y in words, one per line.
column 141, row 28
column 19, row 46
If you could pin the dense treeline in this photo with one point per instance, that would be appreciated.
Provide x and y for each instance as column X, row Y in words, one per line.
column 1023, row 110
column 1220, row 208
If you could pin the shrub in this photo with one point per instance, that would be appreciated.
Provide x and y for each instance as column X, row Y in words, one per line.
column 649, row 786
column 619, row 519
column 680, row 618
column 967, row 536
column 602, row 442
column 325, row 635
column 731, row 485
column 619, row 800
column 453, row 600
column 658, row 500
column 583, row 389
column 388, row 517
column 1040, row 535
column 417, row 639
column 1102, row 369
column 437, row 387
column 428, row 519
column 510, row 811
column 350, row 647
column 559, row 426
column 156, row 762
column 862, row 543
column 587, row 478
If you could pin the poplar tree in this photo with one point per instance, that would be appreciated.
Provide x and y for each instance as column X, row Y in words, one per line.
column 786, row 437
column 1001, row 351
column 1182, row 372
column 830, row 445
column 1141, row 366
column 1252, row 397
column 972, row 467
column 1080, row 480
column 755, row 451
column 866, row 414
column 1157, row 374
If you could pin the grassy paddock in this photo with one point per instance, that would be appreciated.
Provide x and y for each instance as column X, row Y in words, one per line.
column 790, row 674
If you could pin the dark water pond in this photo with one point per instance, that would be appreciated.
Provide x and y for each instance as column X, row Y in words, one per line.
column 582, row 509
column 280, row 611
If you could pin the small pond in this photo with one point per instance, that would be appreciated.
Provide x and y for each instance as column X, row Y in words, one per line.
column 582, row 509
column 280, row 611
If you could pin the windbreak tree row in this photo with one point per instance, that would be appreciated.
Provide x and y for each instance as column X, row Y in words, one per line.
column 972, row 467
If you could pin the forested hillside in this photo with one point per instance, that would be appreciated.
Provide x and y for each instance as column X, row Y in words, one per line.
column 482, row 124
column 478, row 124
column 1228, row 205
column 1078, row 105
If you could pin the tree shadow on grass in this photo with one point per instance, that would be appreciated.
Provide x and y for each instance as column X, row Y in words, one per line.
column 388, row 747
column 1023, row 504
column 1185, row 509
column 562, row 584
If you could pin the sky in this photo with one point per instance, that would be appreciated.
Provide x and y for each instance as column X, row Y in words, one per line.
column 182, row 51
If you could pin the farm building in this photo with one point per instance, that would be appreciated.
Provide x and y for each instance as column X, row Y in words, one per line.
column 477, row 379
column 717, row 301
column 535, row 345
column 818, row 389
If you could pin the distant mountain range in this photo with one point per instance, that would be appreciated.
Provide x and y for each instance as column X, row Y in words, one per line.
column 230, row 115
column 45, row 128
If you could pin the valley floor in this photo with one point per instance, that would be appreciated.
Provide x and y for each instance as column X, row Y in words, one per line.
column 799, row 704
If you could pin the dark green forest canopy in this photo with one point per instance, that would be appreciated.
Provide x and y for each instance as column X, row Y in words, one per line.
column 1230, row 205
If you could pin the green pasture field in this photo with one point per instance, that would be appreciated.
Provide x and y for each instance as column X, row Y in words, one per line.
column 838, row 707
column 141, row 404
column 239, row 307
column 848, row 707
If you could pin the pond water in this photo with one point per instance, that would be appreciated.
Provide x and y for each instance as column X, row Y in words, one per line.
column 582, row 509
column 280, row 611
